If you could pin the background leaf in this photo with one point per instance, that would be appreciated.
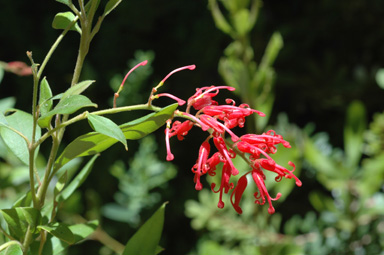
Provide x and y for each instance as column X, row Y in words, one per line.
column 145, row 241
column 77, row 181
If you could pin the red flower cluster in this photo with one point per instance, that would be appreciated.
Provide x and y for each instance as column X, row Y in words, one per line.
column 218, row 120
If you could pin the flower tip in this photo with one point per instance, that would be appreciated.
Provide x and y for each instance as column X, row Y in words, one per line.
column 170, row 157
column 144, row 62
column 192, row 67
column 271, row 210
column 198, row 186
column 220, row 204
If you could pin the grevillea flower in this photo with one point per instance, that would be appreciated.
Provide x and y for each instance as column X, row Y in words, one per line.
column 18, row 67
column 219, row 120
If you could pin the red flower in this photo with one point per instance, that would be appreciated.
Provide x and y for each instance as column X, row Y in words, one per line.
column 200, row 168
column 180, row 129
column 203, row 96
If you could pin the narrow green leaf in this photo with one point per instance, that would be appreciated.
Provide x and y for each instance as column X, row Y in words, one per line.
column 63, row 19
column 77, row 181
column 92, row 143
column 107, row 127
column 353, row 133
column 219, row 18
column 67, row 105
column 20, row 218
column 77, row 89
column 59, row 230
column 22, row 122
column 112, row 4
column 45, row 98
column 66, row 2
column 145, row 241
column 241, row 22
column 60, row 184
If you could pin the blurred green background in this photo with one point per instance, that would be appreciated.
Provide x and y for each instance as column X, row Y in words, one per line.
column 314, row 66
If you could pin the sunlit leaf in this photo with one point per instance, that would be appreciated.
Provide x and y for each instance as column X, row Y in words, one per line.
column 55, row 246
column 66, row 2
column 45, row 98
column 107, row 127
column 63, row 19
column 20, row 218
column 60, row 231
column 112, row 4
column 12, row 250
column 77, row 89
column 22, row 122
column 67, row 105
column 145, row 241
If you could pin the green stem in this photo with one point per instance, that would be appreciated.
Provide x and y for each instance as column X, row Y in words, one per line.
column 45, row 183
column 6, row 234
column 27, row 241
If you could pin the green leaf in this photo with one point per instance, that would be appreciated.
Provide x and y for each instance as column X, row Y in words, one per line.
column 82, row 231
column 219, row 19
column 145, row 241
column 60, row 184
column 112, row 4
column 66, row 2
column 6, row 103
column 77, row 89
column 353, row 133
column 241, row 22
column 22, row 122
column 66, row 106
column 77, row 181
column 107, row 127
column 94, row 142
column 20, row 218
column 274, row 46
column 63, row 19
column 45, row 99
column 14, row 249
column 60, row 231
column 55, row 246
column 380, row 77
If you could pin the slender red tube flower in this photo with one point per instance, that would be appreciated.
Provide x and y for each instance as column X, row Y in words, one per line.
column 238, row 193
column 169, row 153
column 190, row 67
column 200, row 167
column 179, row 101
column 125, row 78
